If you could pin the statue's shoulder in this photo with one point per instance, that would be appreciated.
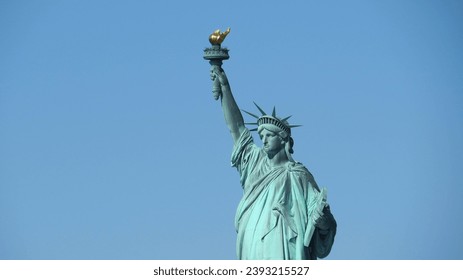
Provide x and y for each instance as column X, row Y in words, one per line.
column 297, row 167
column 301, row 171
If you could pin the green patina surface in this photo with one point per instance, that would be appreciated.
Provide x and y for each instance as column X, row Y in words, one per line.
column 283, row 214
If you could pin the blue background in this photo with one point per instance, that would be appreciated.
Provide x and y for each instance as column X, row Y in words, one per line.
column 112, row 147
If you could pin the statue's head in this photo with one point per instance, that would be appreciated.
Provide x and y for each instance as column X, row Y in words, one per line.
column 275, row 132
column 273, row 138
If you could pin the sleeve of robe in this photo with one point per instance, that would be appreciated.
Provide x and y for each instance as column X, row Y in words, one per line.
column 244, row 155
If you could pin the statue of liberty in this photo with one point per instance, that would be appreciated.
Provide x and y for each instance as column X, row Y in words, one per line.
column 283, row 214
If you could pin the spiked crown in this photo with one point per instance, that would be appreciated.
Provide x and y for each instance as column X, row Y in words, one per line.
column 272, row 119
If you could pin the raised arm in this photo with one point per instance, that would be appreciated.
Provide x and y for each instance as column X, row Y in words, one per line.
column 232, row 114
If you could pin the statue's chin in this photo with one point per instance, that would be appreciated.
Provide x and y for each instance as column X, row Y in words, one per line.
column 269, row 153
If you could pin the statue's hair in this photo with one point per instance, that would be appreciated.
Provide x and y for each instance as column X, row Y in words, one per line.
column 275, row 129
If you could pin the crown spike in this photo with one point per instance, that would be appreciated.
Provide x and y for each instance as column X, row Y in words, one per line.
column 270, row 119
column 251, row 114
column 261, row 111
column 285, row 119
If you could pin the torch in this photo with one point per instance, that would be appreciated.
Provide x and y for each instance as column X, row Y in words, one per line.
column 216, row 54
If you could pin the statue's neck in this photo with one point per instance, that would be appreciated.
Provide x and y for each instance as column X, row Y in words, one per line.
column 278, row 159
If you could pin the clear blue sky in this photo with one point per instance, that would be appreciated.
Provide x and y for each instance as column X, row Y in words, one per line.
column 112, row 147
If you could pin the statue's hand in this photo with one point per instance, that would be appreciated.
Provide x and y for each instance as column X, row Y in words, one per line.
column 324, row 222
column 218, row 73
column 219, row 80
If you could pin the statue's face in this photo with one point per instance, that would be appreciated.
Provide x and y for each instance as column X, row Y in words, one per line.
column 272, row 143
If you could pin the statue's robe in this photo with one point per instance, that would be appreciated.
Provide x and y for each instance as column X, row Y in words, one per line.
column 277, row 214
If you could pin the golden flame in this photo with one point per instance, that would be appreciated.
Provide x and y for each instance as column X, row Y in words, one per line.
column 216, row 38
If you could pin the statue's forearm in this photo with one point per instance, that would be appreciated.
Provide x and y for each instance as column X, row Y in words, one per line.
column 232, row 114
